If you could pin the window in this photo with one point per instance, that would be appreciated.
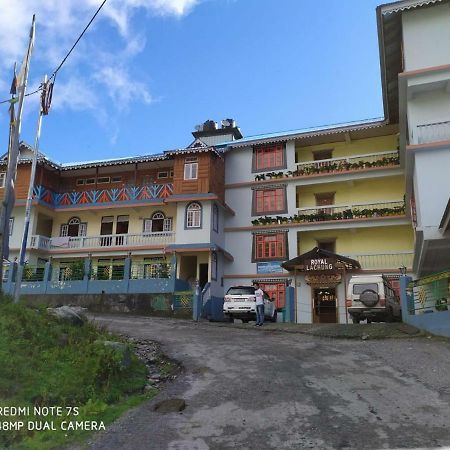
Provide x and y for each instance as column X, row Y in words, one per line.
column 73, row 228
column 270, row 246
column 328, row 245
column 116, row 179
column 269, row 157
column 215, row 218
column 214, row 266
column 2, row 179
column 171, row 174
column 158, row 223
column 269, row 201
column 107, row 270
column 163, row 174
column 323, row 199
column 80, row 182
column 122, row 228
column 190, row 168
column 103, row 180
column 194, row 215
column 90, row 181
column 106, row 226
column 322, row 154
column 11, row 225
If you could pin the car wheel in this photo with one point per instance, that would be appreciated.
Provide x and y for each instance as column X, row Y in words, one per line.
column 355, row 319
column 274, row 317
column 369, row 298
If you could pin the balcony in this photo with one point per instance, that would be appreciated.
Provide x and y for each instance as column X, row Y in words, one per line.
column 351, row 211
column 387, row 260
column 348, row 164
column 103, row 197
column 113, row 241
column 432, row 132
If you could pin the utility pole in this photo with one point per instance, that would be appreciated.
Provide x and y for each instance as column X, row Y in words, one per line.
column 13, row 151
column 29, row 204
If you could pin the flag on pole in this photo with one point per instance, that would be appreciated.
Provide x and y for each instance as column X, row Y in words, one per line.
column 18, row 89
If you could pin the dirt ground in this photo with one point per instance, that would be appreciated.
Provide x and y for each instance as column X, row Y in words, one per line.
column 248, row 388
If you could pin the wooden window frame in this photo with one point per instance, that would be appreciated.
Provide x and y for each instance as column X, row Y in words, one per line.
column 259, row 249
column 103, row 180
column 261, row 156
column 186, row 216
column 259, row 196
column 81, row 182
column 190, row 170
column 163, row 174
column 116, row 179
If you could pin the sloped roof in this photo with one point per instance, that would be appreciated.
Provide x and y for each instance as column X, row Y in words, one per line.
column 317, row 253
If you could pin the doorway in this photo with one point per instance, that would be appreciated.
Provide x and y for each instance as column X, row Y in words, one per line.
column 203, row 275
column 325, row 305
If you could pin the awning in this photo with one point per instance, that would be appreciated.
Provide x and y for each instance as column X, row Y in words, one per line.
column 301, row 262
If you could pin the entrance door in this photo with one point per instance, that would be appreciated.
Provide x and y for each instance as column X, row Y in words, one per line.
column 325, row 305
column 203, row 276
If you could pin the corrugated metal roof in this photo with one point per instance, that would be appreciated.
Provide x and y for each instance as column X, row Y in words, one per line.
column 305, row 132
column 112, row 161
column 391, row 8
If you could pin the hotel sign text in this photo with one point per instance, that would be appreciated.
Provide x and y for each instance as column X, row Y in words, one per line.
column 319, row 265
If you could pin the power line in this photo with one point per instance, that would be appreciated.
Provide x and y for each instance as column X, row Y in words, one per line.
column 53, row 75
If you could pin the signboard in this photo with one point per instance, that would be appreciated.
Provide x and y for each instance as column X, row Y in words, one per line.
column 432, row 293
column 319, row 265
column 269, row 267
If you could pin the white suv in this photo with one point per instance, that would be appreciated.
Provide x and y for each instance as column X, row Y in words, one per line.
column 371, row 297
column 240, row 303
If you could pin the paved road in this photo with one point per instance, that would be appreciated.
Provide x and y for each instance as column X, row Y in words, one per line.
column 251, row 389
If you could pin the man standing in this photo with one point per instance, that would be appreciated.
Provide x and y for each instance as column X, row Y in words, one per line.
column 259, row 295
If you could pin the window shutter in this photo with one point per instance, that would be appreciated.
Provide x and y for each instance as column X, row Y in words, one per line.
column 167, row 225
column 147, row 225
column 64, row 230
column 82, row 229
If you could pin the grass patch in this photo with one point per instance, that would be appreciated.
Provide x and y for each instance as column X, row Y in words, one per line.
column 46, row 362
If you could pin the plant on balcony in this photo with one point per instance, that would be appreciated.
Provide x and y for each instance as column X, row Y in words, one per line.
column 322, row 216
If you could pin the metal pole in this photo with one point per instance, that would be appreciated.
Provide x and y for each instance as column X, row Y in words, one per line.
column 29, row 204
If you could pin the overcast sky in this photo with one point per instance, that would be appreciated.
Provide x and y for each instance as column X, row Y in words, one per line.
column 148, row 71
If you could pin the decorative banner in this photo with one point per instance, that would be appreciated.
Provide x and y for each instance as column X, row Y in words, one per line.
column 432, row 293
column 269, row 267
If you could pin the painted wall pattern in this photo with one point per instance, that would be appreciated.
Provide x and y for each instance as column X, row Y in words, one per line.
column 123, row 195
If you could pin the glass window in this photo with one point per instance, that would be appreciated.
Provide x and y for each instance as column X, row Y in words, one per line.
column 241, row 290
column 215, row 218
column 2, row 179
column 163, row 174
column 190, row 168
column 194, row 216
column 270, row 246
column 269, row 200
column 103, row 180
column 214, row 265
column 11, row 225
column 269, row 157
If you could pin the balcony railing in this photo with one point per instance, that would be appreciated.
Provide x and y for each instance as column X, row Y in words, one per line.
column 387, row 260
column 432, row 132
column 115, row 196
column 110, row 240
column 349, row 163
column 351, row 211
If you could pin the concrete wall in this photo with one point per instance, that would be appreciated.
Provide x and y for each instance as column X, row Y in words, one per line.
column 426, row 34
column 432, row 186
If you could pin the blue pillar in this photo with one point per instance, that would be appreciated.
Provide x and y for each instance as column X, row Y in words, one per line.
column 127, row 273
column 173, row 272
column 47, row 274
column 196, row 305
column 290, row 305
column 407, row 303
column 87, row 274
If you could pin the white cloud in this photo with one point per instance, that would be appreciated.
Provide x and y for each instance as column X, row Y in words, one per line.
column 94, row 68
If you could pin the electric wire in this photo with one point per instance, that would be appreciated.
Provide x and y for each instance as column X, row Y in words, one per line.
column 53, row 75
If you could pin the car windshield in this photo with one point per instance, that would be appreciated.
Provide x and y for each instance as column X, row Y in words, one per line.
column 360, row 288
column 241, row 290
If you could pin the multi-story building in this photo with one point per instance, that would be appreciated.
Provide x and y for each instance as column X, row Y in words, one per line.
column 338, row 189
column 140, row 215
column 231, row 210
column 414, row 39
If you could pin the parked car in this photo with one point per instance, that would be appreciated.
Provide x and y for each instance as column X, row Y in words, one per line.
column 371, row 297
column 240, row 303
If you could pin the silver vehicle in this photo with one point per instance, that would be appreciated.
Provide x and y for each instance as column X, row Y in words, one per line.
column 240, row 303
column 371, row 297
